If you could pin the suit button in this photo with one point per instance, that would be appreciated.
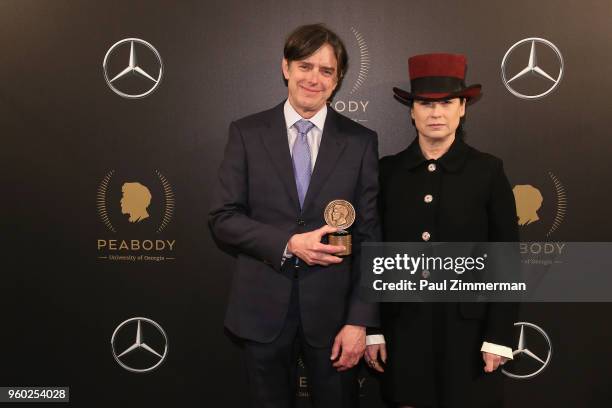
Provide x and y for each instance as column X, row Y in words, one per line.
column 296, row 268
column 425, row 235
column 428, row 198
column 431, row 167
column 425, row 274
column 301, row 222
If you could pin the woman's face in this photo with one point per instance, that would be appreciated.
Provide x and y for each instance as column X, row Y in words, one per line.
column 437, row 120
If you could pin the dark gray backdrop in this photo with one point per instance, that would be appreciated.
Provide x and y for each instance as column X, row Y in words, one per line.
column 63, row 130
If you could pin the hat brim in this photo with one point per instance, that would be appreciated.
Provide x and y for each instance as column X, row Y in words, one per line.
column 472, row 93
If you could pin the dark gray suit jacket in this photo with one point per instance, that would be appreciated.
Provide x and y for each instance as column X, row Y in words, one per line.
column 256, row 210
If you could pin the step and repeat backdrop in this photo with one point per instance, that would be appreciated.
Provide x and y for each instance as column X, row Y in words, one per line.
column 113, row 120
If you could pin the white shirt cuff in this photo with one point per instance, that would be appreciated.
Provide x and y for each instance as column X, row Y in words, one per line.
column 375, row 339
column 286, row 255
column 495, row 349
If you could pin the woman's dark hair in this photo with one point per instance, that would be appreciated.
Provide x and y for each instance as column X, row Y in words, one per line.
column 307, row 39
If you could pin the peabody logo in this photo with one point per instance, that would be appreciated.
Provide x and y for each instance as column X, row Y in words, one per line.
column 532, row 355
column 141, row 204
column 303, row 388
column 541, row 206
column 139, row 345
column 535, row 203
column 531, row 81
column 135, row 75
column 347, row 102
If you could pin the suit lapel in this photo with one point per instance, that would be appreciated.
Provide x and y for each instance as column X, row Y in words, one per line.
column 332, row 144
column 277, row 145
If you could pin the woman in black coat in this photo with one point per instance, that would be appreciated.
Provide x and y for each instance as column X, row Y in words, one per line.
column 441, row 189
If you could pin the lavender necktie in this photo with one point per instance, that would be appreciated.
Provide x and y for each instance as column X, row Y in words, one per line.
column 301, row 158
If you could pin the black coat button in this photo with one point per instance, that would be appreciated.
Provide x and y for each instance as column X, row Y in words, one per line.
column 301, row 222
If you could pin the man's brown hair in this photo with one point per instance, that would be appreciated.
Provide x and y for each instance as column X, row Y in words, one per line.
column 307, row 39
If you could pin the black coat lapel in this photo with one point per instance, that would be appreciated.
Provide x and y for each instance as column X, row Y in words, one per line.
column 332, row 144
column 276, row 143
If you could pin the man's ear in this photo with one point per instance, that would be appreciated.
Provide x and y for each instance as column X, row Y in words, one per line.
column 285, row 68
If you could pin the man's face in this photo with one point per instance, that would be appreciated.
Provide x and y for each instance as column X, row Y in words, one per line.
column 311, row 81
column 438, row 119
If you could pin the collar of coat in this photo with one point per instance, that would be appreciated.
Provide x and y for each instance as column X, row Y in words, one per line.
column 452, row 161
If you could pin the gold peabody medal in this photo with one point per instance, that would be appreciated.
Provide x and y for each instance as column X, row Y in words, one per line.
column 340, row 214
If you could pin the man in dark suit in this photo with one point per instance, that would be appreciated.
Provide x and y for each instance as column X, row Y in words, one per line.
column 290, row 294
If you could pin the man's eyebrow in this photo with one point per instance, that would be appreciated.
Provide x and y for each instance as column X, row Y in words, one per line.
column 326, row 67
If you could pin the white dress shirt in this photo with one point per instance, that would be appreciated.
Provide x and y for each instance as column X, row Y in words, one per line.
column 313, row 136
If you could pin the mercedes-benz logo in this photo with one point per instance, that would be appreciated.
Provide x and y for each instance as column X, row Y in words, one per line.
column 139, row 343
column 523, row 352
column 532, row 68
column 132, row 69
